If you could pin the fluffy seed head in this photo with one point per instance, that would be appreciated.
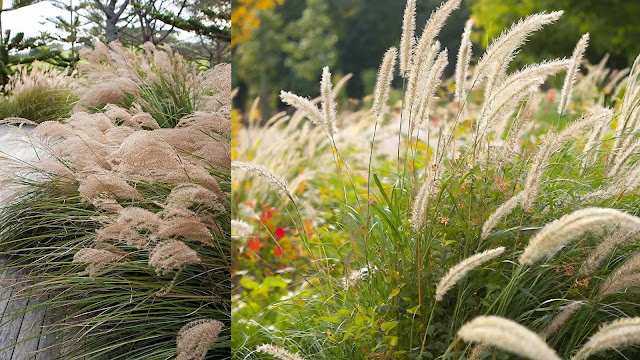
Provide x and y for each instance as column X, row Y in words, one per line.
column 507, row 335
column 625, row 276
column 500, row 212
column 278, row 352
column 240, row 228
column 172, row 255
column 407, row 39
column 305, row 106
column 560, row 319
column 614, row 335
column 462, row 66
column 572, row 70
column 499, row 54
column 383, row 84
column 555, row 235
column 97, row 260
column 462, row 268
column 260, row 171
column 195, row 338
column 328, row 104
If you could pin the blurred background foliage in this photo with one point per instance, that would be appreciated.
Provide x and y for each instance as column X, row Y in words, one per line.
column 283, row 44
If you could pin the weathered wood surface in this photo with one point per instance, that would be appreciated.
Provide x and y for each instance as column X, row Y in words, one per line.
column 23, row 334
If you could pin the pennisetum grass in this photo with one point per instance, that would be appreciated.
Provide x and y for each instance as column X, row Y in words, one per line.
column 393, row 265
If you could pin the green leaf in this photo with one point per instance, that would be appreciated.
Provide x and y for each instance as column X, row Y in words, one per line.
column 331, row 319
column 388, row 326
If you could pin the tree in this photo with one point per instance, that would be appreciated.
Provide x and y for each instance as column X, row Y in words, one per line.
column 107, row 14
column 9, row 57
column 612, row 25
column 71, row 27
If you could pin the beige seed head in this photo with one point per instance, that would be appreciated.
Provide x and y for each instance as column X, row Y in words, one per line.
column 407, row 40
column 462, row 66
column 307, row 107
column 570, row 79
column 260, row 171
column 278, row 352
column 172, row 255
column 195, row 338
column 555, row 235
column 383, row 83
column 463, row 268
column 614, row 335
column 328, row 104
column 507, row 335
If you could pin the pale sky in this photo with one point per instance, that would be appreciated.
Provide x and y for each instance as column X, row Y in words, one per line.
column 31, row 19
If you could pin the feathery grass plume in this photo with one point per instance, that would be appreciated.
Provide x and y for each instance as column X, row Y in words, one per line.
column 328, row 104
column 383, row 84
column 41, row 75
column 113, row 231
column 196, row 337
column 507, row 335
column 625, row 276
column 462, row 268
column 516, row 131
column 560, row 319
column 616, row 80
column 276, row 181
column 190, row 195
column 462, row 66
column 614, row 335
column 623, row 157
column 418, row 215
column 604, row 248
column 98, row 261
column 407, row 40
column 572, row 70
column 172, row 255
column 512, row 90
column 240, row 228
column 97, row 185
column 590, row 148
column 493, row 64
column 555, row 235
column 427, row 89
column 307, row 107
column 499, row 213
column 278, row 352
column 138, row 218
column 431, row 30
column 553, row 142
column 629, row 113
column 417, row 79
column 181, row 223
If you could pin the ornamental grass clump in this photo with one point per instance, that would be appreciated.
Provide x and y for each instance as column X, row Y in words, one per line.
column 125, row 230
column 38, row 93
column 155, row 81
column 494, row 214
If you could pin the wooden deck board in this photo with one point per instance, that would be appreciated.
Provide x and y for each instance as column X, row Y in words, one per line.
column 19, row 331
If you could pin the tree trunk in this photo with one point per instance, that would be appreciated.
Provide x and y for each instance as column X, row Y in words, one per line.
column 110, row 28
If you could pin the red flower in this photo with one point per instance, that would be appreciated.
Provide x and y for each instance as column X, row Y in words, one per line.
column 277, row 251
column 279, row 234
column 254, row 244
column 267, row 214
